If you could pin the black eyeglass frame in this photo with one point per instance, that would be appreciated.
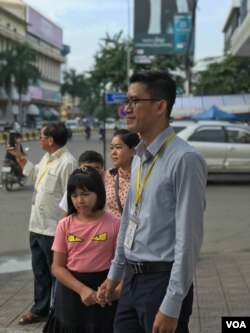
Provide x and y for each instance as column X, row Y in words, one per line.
column 133, row 101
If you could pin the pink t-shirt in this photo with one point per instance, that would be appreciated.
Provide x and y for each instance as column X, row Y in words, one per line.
column 89, row 247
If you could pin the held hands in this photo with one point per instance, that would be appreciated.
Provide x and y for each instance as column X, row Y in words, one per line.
column 107, row 293
column 88, row 296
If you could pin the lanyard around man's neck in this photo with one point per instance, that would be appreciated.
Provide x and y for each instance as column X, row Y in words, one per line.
column 140, row 188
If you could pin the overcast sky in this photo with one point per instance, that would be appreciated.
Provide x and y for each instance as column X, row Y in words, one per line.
column 85, row 22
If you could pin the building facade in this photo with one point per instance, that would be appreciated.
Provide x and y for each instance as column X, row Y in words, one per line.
column 237, row 28
column 20, row 23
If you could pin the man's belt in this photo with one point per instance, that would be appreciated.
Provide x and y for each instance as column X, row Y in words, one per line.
column 149, row 267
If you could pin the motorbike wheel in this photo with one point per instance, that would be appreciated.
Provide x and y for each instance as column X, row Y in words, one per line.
column 8, row 184
column 22, row 180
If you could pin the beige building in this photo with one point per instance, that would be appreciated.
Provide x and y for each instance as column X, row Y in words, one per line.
column 20, row 23
column 237, row 28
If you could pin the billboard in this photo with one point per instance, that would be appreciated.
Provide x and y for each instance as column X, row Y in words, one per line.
column 41, row 27
column 162, row 26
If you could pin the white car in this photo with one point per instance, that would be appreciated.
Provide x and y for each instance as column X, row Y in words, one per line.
column 225, row 146
column 179, row 125
column 72, row 123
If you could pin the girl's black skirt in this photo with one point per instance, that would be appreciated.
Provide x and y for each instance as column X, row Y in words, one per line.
column 70, row 315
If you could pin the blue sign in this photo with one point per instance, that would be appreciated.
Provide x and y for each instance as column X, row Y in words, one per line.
column 182, row 32
column 115, row 97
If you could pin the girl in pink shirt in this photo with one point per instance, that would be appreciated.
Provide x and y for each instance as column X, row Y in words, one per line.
column 84, row 246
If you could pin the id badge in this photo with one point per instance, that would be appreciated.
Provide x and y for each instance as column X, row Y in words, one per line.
column 130, row 233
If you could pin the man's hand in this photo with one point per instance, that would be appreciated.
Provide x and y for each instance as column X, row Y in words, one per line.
column 106, row 290
column 15, row 151
column 164, row 324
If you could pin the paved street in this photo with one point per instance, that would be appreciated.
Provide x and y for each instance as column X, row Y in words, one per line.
column 222, row 281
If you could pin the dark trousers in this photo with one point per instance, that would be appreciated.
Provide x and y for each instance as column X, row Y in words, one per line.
column 140, row 300
column 41, row 255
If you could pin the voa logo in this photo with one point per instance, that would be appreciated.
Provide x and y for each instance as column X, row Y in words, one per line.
column 235, row 324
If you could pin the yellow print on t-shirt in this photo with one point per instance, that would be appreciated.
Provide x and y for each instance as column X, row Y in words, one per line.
column 73, row 238
column 101, row 237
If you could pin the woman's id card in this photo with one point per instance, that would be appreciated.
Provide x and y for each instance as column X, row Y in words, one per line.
column 130, row 233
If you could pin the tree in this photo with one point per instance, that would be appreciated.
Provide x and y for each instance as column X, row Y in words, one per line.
column 110, row 73
column 19, row 70
column 229, row 76
column 175, row 64
column 81, row 86
column 73, row 84
column 111, row 63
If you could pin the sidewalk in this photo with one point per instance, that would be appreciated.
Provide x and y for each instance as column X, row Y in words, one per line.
column 222, row 288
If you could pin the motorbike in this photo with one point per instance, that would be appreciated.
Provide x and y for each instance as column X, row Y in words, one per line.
column 12, row 174
column 87, row 132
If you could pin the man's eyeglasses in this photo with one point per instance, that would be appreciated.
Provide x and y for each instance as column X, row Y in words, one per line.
column 43, row 137
column 131, row 102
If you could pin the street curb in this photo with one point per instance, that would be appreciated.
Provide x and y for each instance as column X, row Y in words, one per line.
column 35, row 135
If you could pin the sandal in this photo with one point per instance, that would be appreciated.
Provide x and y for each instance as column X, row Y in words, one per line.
column 30, row 318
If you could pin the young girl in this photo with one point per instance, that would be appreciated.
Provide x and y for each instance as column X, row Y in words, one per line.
column 83, row 248
column 117, row 179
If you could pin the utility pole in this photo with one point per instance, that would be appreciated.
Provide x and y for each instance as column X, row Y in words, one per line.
column 128, row 45
column 187, row 56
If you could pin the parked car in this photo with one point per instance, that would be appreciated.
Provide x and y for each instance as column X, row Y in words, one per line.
column 72, row 123
column 179, row 125
column 110, row 123
column 225, row 146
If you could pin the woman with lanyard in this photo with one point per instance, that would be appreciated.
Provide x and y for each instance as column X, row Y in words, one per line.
column 117, row 179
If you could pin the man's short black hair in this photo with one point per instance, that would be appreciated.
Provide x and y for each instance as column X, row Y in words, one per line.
column 159, row 84
column 91, row 156
column 58, row 131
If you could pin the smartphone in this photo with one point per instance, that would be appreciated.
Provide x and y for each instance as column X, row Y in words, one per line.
column 12, row 139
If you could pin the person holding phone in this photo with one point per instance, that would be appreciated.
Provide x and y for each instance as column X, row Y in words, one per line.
column 50, row 176
column 13, row 138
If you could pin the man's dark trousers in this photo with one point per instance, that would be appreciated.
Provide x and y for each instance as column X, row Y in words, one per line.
column 141, row 298
column 41, row 252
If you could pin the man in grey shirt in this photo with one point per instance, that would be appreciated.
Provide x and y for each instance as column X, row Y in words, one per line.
column 162, row 224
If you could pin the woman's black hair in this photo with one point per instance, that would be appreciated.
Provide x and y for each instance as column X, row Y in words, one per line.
column 86, row 178
column 130, row 139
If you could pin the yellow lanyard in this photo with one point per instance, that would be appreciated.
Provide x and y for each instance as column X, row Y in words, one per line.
column 42, row 172
column 45, row 168
column 139, row 189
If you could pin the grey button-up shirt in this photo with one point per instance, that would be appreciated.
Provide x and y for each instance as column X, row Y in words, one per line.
column 170, row 215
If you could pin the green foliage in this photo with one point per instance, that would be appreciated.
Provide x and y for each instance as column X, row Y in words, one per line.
column 110, row 73
column 110, row 67
column 19, row 69
column 19, row 65
column 229, row 76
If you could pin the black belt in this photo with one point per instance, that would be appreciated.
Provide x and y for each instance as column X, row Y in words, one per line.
column 149, row 267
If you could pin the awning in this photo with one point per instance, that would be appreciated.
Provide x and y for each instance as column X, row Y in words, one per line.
column 33, row 110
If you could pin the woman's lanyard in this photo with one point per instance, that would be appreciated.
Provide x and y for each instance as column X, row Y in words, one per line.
column 140, row 188
column 117, row 193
